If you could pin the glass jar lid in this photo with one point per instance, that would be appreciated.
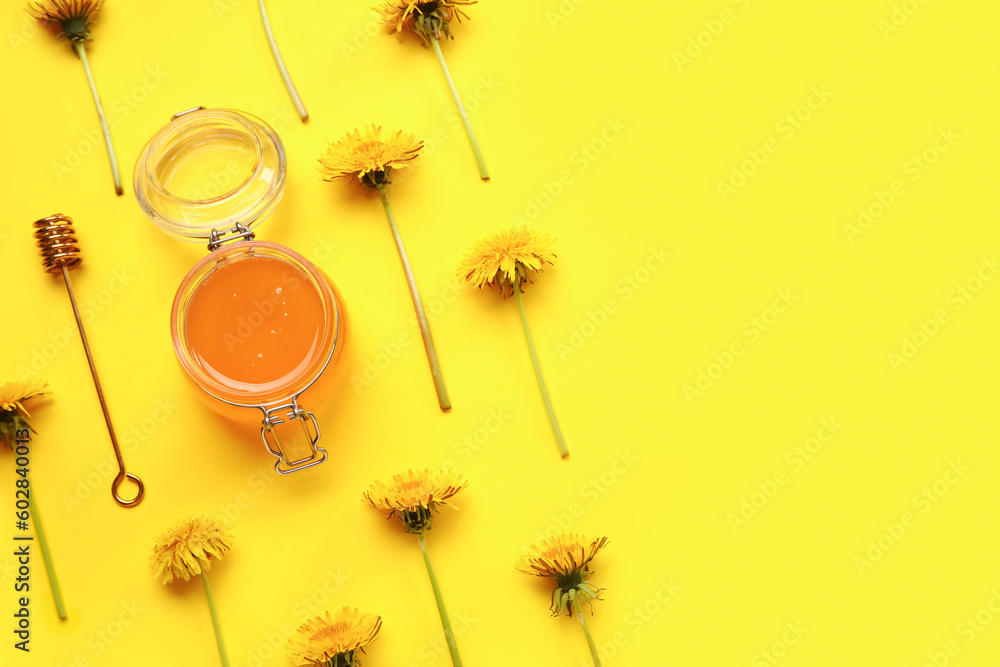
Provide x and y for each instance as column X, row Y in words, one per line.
column 209, row 169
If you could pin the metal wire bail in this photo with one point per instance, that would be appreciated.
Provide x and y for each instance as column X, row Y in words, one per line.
column 310, row 426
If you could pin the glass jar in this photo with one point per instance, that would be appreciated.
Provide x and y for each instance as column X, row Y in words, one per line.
column 255, row 325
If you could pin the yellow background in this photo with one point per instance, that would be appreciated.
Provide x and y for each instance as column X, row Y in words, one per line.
column 657, row 473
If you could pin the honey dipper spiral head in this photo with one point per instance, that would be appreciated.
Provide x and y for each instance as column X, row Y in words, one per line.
column 57, row 242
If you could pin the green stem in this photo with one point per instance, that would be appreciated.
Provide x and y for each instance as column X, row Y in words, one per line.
column 215, row 621
column 480, row 162
column 586, row 631
column 556, row 431
column 50, row 567
column 418, row 304
column 448, row 633
column 104, row 121
column 285, row 76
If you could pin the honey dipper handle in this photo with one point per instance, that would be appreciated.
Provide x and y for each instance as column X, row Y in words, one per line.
column 104, row 406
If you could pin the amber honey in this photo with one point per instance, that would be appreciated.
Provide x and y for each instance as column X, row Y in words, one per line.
column 254, row 323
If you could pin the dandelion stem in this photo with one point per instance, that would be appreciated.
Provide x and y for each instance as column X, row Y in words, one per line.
column 104, row 121
column 449, row 635
column 480, row 162
column 285, row 76
column 586, row 631
column 418, row 304
column 556, row 431
column 50, row 567
column 215, row 621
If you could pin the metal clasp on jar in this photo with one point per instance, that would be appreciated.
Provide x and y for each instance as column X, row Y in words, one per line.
column 310, row 427
column 238, row 233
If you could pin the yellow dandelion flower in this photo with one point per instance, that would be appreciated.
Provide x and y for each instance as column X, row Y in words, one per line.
column 565, row 555
column 506, row 260
column 73, row 16
column 321, row 642
column 427, row 20
column 369, row 156
column 13, row 396
column 565, row 558
column 430, row 21
column 414, row 495
column 189, row 549
column 15, row 393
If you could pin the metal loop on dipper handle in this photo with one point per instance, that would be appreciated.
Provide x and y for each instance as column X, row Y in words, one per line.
column 118, row 482
column 60, row 252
